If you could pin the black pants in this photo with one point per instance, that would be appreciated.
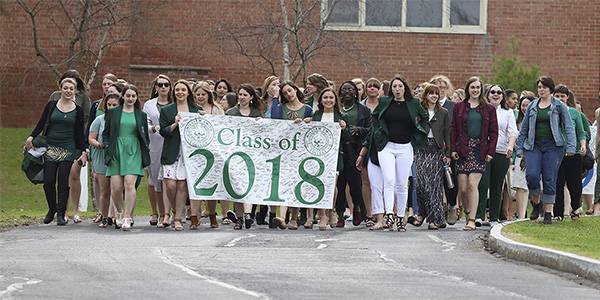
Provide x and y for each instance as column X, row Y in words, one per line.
column 57, row 172
column 569, row 173
column 350, row 176
column 451, row 194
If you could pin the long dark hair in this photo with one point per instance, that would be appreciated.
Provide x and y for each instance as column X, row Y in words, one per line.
column 336, row 106
column 137, row 93
column 229, row 88
column 190, row 96
column 283, row 98
column 407, row 90
column 521, row 114
column 255, row 102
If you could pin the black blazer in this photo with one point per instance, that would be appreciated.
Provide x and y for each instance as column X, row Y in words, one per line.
column 112, row 120
column 44, row 122
column 449, row 106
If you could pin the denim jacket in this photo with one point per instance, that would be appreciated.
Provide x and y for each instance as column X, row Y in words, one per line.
column 560, row 124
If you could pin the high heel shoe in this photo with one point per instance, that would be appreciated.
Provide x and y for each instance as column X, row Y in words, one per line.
column 153, row 219
column 177, row 225
column 165, row 221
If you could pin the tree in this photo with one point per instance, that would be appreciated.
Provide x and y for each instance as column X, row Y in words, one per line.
column 511, row 72
column 297, row 30
column 89, row 28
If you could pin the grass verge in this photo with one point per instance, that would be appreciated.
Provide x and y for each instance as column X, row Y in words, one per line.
column 23, row 203
column 581, row 237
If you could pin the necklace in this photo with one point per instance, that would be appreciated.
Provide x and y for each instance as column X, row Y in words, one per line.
column 349, row 108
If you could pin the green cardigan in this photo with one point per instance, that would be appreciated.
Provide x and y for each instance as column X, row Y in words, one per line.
column 379, row 134
column 172, row 141
column 111, row 132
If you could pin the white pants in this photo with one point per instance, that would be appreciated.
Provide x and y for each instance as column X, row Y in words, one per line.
column 376, row 181
column 396, row 161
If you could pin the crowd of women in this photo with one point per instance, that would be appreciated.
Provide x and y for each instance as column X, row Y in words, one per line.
column 432, row 153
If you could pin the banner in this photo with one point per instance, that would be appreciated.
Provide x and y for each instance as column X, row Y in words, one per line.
column 264, row 161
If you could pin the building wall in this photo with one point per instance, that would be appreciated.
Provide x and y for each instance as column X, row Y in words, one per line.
column 562, row 37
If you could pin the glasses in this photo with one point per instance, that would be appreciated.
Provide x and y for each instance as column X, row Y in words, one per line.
column 496, row 92
column 373, row 85
column 163, row 84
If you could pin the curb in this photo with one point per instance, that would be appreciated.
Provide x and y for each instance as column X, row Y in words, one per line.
column 566, row 262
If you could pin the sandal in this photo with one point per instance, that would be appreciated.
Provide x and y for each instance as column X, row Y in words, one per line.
column 432, row 226
column 575, row 216
column 388, row 220
column 589, row 212
column 370, row 222
column 153, row 219
column 470, row 227
column 213, row 221
column 103, row 223
column 165, row 222
column 194, row 223
column 77, row 219
column 414, row 220
column 376, row 226
column 400, row 224
column 177, row 225
column 97, row 218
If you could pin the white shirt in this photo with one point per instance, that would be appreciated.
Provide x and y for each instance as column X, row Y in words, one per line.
column 507, row 128
column 327, row 117
column 431, row 114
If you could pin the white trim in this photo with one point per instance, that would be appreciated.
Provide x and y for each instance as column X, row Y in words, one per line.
column 446, row 27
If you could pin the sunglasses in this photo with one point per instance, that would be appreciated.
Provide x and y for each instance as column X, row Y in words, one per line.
column 496, row 92
column 163, row 84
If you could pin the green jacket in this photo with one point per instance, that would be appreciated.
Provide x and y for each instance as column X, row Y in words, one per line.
column 172, row 142
column 440, row 127
column 111, row 132
column 580, row 133
column 378, row 135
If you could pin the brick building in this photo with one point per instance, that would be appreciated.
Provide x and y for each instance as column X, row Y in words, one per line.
column 373, row 38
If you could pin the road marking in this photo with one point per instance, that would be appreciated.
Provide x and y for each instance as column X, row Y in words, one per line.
column 448, row 246
column 321, row 246
column 208, row 279
column 237, row 239
column 18, row 286
column 325, row 240
column 458, row 279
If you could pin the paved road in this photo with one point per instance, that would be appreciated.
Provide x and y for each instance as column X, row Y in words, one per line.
column 83, row 261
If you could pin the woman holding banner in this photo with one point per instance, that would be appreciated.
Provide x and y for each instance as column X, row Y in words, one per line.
column 329, row 111
column 249, row 105
column 291, row 107
column 172, row 166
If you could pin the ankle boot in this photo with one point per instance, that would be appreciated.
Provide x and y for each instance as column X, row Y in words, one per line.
column 547, row 218
column 537, row 211
column 60, row 219
column 262, row 215
column 49, row 216
column 272, row 224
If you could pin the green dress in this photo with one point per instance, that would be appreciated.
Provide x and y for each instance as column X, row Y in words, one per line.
column 60, row 136
column 128, row 160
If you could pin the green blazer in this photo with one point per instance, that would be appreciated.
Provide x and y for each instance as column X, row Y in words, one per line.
column 172, row 141
column 440, row 127
column 379, row 135
column 337, row 116
column 111, row 132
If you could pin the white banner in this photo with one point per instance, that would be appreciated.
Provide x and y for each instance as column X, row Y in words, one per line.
column 265, row 161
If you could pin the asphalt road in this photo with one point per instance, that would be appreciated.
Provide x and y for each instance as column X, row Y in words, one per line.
column 83, row 261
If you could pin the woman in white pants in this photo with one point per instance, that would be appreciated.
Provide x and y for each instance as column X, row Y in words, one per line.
column 400, row 124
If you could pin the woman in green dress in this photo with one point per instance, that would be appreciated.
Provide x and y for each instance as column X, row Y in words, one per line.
column 127, row 153
column 62, row 125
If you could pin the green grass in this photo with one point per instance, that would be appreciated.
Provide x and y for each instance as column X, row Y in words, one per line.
column 22, row 202
column 580, row 237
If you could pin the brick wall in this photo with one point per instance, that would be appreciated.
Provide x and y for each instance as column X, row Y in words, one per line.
column 562, row 37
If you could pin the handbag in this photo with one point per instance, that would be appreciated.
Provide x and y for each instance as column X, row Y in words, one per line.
column 587, row 161
column 33, row 167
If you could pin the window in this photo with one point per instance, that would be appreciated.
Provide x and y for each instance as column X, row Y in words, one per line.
column 436, row 16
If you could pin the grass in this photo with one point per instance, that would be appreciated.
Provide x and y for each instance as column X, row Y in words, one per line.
column 23, row 203
column 580, row 237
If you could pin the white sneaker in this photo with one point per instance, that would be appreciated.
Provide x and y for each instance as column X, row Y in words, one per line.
column 478, row 222
column 126, row 224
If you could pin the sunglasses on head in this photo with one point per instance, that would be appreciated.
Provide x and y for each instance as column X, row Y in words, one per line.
column 494, row 92
column 163, row 84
